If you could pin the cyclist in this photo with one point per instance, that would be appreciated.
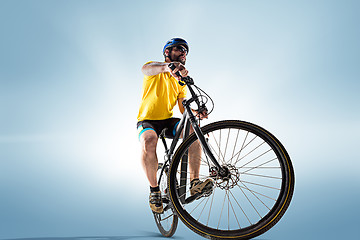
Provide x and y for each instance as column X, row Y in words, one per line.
column 161, row 92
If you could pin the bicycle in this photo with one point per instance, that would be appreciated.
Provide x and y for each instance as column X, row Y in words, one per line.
column 252, row 173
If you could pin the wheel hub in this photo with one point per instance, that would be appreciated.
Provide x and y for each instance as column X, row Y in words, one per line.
column 227, row 178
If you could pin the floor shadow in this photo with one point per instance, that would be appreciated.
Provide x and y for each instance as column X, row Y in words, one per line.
column 143, row 235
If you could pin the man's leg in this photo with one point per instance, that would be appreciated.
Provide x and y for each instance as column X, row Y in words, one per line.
column 194, row 158
column 148, row 140
column 149, row 160
column 197, row 188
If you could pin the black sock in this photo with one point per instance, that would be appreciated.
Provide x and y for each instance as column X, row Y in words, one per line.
column 154, row 189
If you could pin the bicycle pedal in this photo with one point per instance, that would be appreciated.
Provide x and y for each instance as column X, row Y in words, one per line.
column 166, row 208
column 192, row 198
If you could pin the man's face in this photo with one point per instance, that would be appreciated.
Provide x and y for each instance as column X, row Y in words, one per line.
column 178, row 54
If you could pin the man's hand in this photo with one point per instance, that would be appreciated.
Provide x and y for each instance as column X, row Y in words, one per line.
column 178, row 68
column 201, row 115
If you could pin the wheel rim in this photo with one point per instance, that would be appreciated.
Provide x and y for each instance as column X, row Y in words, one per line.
column 252, row 191
column 165, row 221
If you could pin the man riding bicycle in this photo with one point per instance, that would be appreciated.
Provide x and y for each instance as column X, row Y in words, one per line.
column 161, row 91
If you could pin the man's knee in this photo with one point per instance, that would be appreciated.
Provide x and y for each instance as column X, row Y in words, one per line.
column 149, row 141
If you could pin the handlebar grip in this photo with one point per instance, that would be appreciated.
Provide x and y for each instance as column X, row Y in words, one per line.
column 172, row 67
column 186, row 80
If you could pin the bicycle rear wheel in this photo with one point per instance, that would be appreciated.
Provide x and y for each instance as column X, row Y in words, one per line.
column 166, row 221
column 251, row 198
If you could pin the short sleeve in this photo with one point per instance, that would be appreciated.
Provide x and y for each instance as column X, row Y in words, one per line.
column 183, row 91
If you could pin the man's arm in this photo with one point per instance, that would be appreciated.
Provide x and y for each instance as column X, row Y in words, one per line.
column 154, row 68
column 181, row 106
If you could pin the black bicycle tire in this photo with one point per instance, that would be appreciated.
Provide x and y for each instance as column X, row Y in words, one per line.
column 163, row 231
column 266, row 222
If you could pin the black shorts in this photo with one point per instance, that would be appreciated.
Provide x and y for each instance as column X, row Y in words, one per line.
column 158, row 126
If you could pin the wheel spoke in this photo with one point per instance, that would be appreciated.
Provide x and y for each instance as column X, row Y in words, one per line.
column 257, row 192
column 167, row 221
column 254, row 195
column 238, row 160
column 271, row 160
column 241, row 208
column 163, row 219
column 212, row 200
column 259, row 175
column 207, row 200
column 250, row 202
column 197, row 205
column 220, row 156
column 237, row 220
column 256, row 158
column 261, row 185
column 226, row 145
column 235, row 144
column 238, row 154
column 222, row 208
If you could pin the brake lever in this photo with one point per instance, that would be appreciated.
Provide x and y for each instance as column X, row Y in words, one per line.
column 202, row 109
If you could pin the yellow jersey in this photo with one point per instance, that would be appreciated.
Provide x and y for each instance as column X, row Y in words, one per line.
column 159, row 96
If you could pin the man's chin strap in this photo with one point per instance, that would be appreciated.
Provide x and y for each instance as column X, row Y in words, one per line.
column 168, row 56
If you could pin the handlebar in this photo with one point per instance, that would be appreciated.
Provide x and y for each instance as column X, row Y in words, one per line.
column 172, row 67
column 184, row 80
column 189, row 81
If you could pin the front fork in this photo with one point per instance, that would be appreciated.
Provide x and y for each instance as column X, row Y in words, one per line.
column 221, row 171
column 216, row 169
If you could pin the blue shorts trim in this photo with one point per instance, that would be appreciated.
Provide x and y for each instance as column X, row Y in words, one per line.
column 158, row 126
column 174, row 131
column 142, row 130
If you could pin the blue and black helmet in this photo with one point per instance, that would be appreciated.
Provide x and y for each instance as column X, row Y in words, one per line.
column 176, row 42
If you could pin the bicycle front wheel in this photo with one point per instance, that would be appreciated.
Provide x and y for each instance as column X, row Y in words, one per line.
column 166, row 221
column 248, row 200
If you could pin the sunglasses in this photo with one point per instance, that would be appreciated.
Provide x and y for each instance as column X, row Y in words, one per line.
column 182, row 49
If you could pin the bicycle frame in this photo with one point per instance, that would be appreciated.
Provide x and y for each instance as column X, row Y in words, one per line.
column 189, row 117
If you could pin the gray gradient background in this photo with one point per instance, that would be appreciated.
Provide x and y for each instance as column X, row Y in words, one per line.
column 70, row 85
